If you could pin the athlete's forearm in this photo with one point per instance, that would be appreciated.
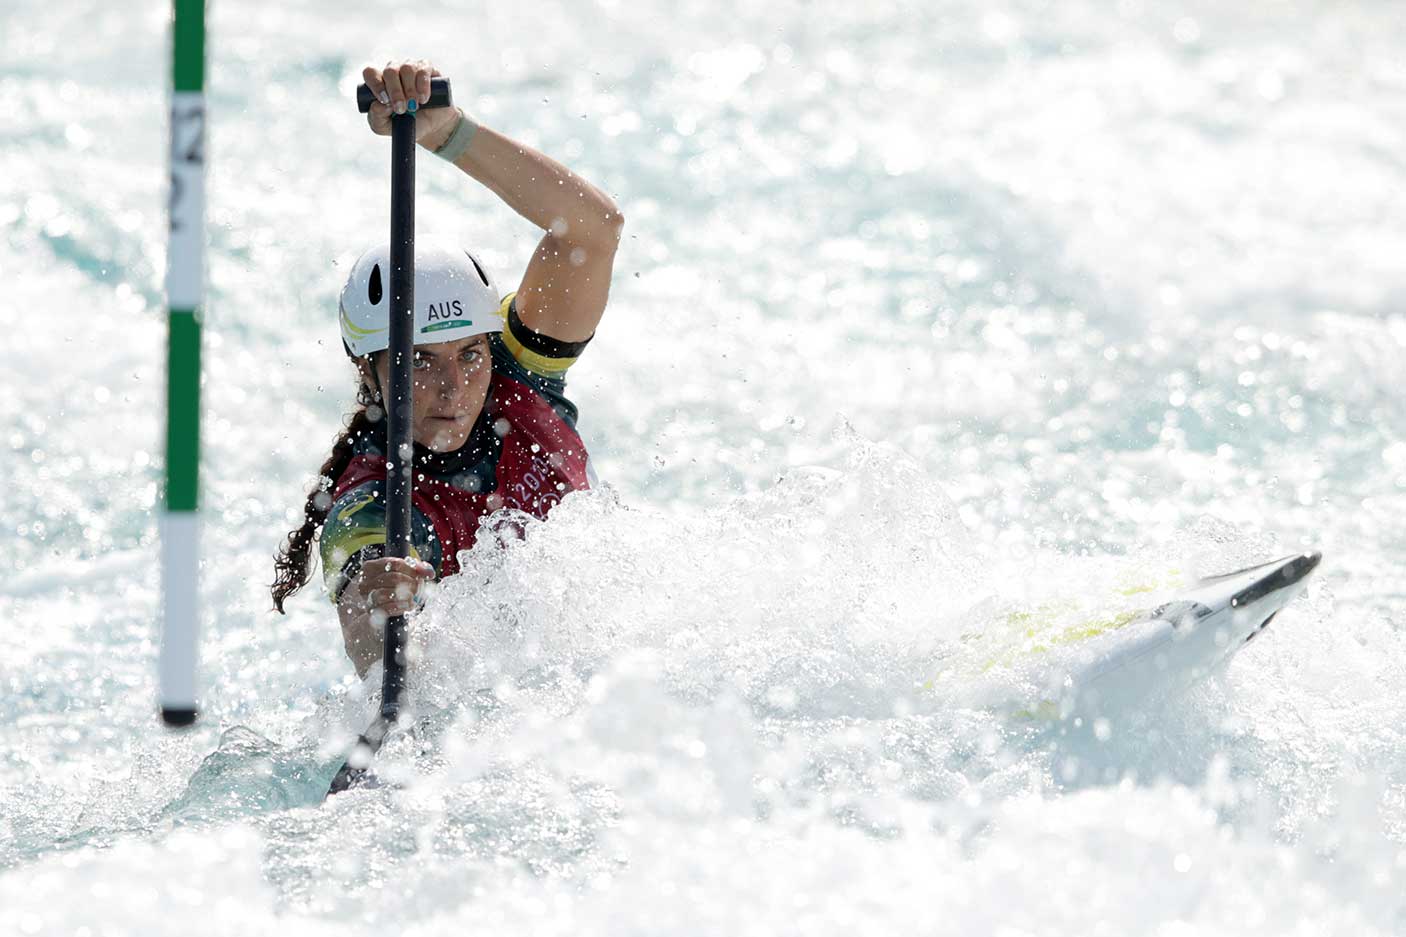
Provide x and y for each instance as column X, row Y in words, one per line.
column 538, row 188
column 364, row 645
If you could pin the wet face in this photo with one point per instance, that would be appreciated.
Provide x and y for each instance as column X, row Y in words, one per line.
column 451, row 384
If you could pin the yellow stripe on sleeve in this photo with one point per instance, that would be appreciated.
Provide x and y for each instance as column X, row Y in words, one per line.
column 533, row 361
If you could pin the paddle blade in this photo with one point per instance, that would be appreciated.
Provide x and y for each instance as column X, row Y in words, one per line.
column 356, row 770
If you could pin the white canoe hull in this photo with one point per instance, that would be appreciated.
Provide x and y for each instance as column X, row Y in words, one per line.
column 1181, row 641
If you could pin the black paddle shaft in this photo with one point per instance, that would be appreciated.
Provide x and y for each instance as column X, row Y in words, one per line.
column 400, row 415
column 400, row 423
column 400, row 420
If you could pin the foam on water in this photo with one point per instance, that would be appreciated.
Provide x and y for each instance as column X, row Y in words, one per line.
column 927, row 317
column 733, row 702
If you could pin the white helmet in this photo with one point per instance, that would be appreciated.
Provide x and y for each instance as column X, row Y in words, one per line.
column 454, row 298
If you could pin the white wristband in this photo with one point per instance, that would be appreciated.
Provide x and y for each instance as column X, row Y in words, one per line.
column 454, row 147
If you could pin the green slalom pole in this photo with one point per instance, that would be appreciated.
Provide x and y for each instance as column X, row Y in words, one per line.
column 185, row 295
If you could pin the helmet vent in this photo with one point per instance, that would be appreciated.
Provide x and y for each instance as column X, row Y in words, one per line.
column 481, row 275
column 373, row 288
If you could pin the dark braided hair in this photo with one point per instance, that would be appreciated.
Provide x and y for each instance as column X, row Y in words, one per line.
column 292, row 563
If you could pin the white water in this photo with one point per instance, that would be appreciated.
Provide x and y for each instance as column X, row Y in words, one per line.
column 925, row 315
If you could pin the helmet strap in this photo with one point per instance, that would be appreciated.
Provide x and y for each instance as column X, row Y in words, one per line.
column 372, row 388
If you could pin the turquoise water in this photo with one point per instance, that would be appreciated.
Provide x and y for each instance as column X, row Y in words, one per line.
column 925, row 314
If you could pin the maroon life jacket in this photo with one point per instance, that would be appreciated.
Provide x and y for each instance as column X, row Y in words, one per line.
column 542, row 459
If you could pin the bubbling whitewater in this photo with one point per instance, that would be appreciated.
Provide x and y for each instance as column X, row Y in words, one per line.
column 714, row 703
column 927, row 318
column 755, row 681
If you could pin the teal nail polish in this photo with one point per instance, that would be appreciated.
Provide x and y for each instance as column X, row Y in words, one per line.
column 413, row 105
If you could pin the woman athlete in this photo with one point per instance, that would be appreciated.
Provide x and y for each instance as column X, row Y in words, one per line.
column 492, row 425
